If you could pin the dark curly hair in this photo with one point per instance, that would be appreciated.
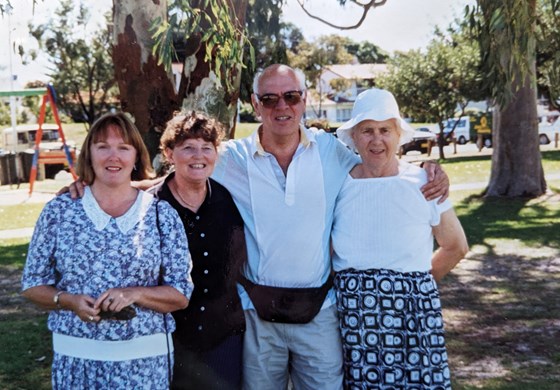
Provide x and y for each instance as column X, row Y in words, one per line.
column 191, row 126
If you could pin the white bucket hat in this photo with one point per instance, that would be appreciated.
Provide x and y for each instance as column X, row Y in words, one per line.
column 378, row 105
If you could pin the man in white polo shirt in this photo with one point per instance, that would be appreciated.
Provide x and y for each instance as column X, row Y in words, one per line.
column 285, row 179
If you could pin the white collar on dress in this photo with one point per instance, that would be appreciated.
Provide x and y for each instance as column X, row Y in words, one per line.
column 126, row 221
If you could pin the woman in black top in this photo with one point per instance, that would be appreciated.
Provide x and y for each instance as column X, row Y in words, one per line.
column 209, row 337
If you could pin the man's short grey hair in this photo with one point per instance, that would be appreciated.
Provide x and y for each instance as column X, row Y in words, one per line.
column 300, row 76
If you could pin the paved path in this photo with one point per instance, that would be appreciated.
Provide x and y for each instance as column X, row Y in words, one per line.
column 21, row 196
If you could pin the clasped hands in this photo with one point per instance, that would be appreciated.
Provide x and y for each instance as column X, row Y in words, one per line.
column 114, row 303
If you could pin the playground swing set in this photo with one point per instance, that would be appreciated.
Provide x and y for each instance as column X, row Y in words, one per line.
column 48, row 97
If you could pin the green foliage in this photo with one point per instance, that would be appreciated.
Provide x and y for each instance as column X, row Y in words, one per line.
column 325, row 50
column 214, row 25
column 368, row 53
column 506, row 35
column 429, row 85
column 33, row 103
column 269, row 39
column 548, row 50
column 4, row 113
column 81, row 65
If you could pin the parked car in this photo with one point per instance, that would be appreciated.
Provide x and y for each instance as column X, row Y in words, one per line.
column 419, row 141
column 549, row 126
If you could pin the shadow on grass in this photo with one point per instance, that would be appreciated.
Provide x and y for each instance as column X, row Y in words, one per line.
column 501, row 322
column 534, row 223
column 13, row 252
column 26, row 354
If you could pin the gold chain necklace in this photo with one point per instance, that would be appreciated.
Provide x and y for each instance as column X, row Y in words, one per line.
column 194, row 206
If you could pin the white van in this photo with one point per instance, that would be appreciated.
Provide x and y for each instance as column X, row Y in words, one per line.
column 462, row 131
column 50, row 139
column 549, row 126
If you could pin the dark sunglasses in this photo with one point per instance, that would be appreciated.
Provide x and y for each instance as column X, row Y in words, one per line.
column 270, row 100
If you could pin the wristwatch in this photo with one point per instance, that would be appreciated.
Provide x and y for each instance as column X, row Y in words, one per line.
column 56, row 299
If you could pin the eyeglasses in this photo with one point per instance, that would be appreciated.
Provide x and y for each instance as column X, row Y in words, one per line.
column 270, row 100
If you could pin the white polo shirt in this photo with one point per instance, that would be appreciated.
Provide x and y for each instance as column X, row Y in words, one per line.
column 288, row 218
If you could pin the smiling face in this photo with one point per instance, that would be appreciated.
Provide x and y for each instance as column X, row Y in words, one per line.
column 377, row 143
column 112, row 159
column 282, row 119
column 194, row 159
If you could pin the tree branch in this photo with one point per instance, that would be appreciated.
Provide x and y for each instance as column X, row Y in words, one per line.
column 366, row 7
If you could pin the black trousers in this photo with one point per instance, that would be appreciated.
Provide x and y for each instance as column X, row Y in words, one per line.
column 219, row 368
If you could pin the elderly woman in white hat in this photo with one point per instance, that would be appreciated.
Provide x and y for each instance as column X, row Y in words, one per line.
column 386, row 270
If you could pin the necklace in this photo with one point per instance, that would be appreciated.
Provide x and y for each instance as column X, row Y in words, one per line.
column 191, row 205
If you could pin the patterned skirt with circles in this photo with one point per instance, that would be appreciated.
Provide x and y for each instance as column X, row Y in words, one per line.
column 392, row 330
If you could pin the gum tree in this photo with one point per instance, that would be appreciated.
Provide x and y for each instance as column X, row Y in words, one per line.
column 205, row 35
column 506, row 32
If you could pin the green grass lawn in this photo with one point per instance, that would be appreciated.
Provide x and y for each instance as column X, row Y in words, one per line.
column 477, row 168
column 76, row 132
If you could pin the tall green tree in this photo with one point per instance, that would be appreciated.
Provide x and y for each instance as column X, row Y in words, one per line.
column 430, row 85
column 368, row 53
column 212, row 32
column 312, row 57
column 269, row 38
column 507, row 37
column 81, row 69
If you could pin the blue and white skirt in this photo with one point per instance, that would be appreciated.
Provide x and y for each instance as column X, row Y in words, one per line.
column 392, row 330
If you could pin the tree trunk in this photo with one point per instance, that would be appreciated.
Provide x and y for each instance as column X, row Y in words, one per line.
column 146, row 89
column 516, row 161
column 200, row 87
column 441, row 140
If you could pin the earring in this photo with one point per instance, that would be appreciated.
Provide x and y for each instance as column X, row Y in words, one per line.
column 134, row 167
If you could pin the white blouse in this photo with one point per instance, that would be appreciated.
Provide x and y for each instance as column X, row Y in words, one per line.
column 385, row 223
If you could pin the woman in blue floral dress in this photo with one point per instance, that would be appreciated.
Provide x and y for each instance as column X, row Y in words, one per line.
column 100, row 264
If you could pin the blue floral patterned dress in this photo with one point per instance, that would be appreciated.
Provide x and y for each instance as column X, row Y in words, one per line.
column 78, row 248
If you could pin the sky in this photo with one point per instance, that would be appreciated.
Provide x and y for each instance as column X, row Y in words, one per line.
column 397, row 25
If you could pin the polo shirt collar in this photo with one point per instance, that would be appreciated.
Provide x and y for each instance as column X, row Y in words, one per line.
column 306, row 138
